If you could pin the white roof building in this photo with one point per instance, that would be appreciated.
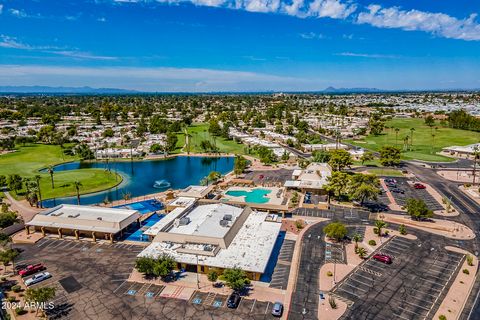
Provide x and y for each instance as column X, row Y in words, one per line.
column 85, row 218
column 218, row 235
column 315, row 176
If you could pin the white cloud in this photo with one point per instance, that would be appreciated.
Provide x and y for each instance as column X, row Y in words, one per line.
column 367, row 55
column 1, row 8
column 14, row 43
column 438, row 24
column 312, row 35
column 18, row 13
column 334, row 9
column 151, row 79
column 101, row 19
column 262, row 5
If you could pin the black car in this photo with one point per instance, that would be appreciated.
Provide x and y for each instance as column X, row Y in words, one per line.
column 233, row 300
column 396, row 190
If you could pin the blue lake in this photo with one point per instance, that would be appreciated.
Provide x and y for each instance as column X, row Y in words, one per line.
column 148, row 176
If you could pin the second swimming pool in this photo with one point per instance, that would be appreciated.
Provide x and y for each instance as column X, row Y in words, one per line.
column 253, row 196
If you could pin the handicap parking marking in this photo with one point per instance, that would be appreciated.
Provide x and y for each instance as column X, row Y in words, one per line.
column 217, row 303
column 149, row 295
column 131, row 292
column 197, row 301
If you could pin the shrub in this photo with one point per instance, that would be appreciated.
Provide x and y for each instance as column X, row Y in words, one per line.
column 402, row 229
column 3, row 279
column 212, row 276
column 299, row 224
column 386, row 232
column 375, row 230
column 372, row 242
column 329, row 273
column 16, row 288
column 469, row 260
column 332, row 302
column 466, row 271
column 19, row 311
column 11, row 299
column 442, row 317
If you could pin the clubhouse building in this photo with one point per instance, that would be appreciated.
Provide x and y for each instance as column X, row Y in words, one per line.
column 212, row 235
column 83, row 222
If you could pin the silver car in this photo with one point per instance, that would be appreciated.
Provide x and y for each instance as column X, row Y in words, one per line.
column 39, row 277
column 277, row 309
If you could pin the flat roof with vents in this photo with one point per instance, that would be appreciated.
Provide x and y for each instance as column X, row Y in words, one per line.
column 85, row 218
column 205, row 220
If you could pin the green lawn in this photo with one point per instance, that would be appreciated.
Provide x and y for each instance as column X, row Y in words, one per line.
column 199, row 132
column 424, row 145
column 29, row 159
column 385, row 172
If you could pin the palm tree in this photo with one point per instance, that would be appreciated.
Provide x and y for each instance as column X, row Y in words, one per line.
column 433, row 141
column 356, row 238
column 362, row 252
column 77, row 184
column 213, row 176
column 405, row 143
column 397, row 130
column 411, row 136
column 187, row 140
column 50, row 171
column 37, row 179
column 380, row 224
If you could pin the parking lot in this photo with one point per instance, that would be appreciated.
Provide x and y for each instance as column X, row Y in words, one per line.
column 270, row 177
column 251, row 307
column 411, row 192
column 412, row 287
column 91, row 283
column 333, row 212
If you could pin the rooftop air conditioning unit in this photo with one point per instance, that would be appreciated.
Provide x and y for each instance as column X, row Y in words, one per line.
column 99, row 218
column 228, row 217
column 224, row 223
column 184, row 221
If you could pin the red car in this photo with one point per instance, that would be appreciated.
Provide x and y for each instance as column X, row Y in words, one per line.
column 31, row 269
column 419, row 186
column 382, row 258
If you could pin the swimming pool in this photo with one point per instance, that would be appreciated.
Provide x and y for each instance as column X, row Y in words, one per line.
column 253, row 196
column 135, row 233
column 143, row 207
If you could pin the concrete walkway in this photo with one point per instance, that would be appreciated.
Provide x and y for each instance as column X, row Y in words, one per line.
column 21, row 207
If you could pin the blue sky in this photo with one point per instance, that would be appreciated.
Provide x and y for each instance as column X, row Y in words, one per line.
column 241, row 45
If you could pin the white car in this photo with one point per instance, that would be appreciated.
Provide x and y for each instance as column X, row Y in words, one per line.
column 39, row 277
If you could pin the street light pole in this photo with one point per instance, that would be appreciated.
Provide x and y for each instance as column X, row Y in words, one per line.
column 198, row 280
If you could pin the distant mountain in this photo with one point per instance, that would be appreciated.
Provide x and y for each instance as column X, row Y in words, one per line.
column 352, row 90
column 72, row 90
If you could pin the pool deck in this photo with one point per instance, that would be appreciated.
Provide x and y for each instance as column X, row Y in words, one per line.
column 272, row 196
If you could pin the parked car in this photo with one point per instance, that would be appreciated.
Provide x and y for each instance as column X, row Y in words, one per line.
column 31, row 269
column 382, row 258
column 233, row 300
column 397, row 190
column 419, row 186
column 390, row 180
column 277, row 309
column 37, row 278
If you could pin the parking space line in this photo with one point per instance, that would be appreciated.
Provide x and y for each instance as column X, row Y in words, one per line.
column 53, row 242
column 44, row 242
column 358, row 274
column 347, row 284
column 394, row 247
column 253, row 305
column 374, row 266
column 368, row 285
column 414, row 305
column 432, row 295
column 266, row 308
column 409, row 311
column 348, row 292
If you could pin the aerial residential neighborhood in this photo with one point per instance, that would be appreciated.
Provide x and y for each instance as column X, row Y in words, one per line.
column 250, row 159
